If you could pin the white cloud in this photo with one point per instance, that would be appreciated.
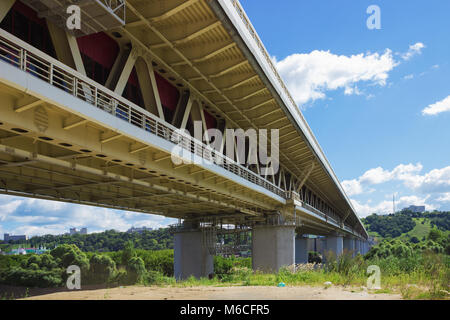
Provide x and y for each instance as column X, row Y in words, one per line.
column 433, row 185
column 38, row 217
column 414, row 49
column 406, row 173
column 436, row 181
column 408, row 77
column 7, row 207
column 438, row 107
column 386, row 206
column 352, row 187
column 308, row 76
column 445, row 197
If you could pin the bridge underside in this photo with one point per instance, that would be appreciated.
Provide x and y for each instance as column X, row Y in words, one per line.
column 51, row 153
column 66, row 137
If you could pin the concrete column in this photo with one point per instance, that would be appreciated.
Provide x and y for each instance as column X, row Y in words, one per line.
column 321, row 244
column 336, row 244
column 191, row 257
column 348, row 244
column 358, row 246
column 353, row 246
column 301, row 250
column 272, row 247
column 366, row 247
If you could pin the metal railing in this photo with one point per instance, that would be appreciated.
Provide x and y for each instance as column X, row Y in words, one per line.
column 329, row 217
column 44, row 67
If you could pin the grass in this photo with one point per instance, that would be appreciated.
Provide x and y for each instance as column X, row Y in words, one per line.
column 429, row 279
column 420, row 230
column 418, row 275
column 415, row 286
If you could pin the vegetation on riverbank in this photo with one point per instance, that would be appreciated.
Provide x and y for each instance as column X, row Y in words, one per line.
column 416, row 270
column 413, row 255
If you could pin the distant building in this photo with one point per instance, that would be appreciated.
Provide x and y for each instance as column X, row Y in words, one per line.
column 417, row 209
column 139, row 230
column 8, row 237
column 22, row 251
column 73, row 231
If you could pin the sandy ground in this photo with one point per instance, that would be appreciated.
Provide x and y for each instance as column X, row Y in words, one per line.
column 219, row 293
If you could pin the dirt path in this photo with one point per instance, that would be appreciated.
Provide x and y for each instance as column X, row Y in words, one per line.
column 219, row 293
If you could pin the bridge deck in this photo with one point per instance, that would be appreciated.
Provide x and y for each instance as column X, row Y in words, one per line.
column 66, row 137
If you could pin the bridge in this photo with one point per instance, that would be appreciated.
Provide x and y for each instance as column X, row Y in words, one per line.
column 92, row 116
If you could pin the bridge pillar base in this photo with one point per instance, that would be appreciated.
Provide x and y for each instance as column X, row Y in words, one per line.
column 335, row 244
column 191, row 257
column 272, row 247
column 301, row 250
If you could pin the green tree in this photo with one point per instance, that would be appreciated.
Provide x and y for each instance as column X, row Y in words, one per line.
column 102, row 268
column 70, row 254
column 136, row 270
column 434, row 235
column 128, row 253
column 414, row 240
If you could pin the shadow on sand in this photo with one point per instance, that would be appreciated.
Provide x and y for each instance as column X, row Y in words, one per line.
column 12, row 292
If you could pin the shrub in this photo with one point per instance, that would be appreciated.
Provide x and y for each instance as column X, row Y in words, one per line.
column 434, row 234
column 160, row 261
column 128, row 253
column 33, row 260
column 224, row 267
column 414, row 240
column 48, row 262
column 136, row 270
column 102, row 269
column 314, row 257
column 70, row 254
column 153, row 277
column 31, row 278
column 120, row 278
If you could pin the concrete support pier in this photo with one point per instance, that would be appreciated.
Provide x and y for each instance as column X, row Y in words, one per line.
column 365, row 247
column 301, row 250
column 335, row 243
column 349, row 244
column 272, row 247
column 191, row 257
column 357, row 246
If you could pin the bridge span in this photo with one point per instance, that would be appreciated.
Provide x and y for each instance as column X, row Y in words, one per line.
column 92, row 116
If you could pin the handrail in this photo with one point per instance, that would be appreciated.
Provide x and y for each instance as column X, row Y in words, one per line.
column 50, row 70
column 329, row 217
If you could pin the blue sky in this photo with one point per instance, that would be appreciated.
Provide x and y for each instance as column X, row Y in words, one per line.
column 364, row 92
column 377, row 100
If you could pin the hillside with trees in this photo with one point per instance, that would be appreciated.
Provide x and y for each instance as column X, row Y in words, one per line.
column 106, row 241
column 407, row 223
